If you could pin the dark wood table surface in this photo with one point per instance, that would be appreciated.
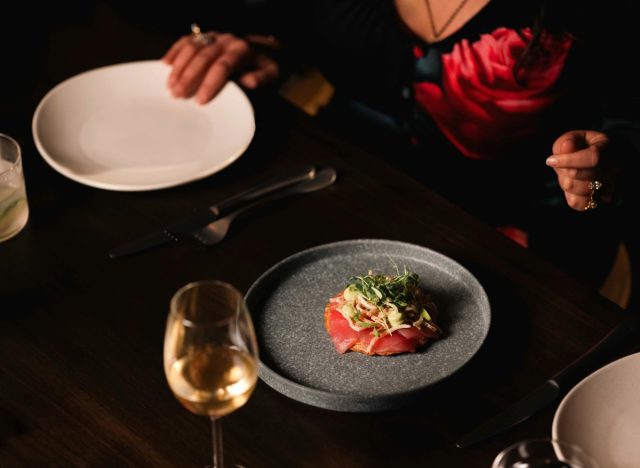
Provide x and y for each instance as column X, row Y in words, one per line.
column 81, row 376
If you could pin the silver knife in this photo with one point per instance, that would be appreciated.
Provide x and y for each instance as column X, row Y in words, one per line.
column 202, row 217
column 549, row 391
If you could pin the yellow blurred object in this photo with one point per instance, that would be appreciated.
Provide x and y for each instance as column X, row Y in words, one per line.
column 617, row 286
column 308, row 90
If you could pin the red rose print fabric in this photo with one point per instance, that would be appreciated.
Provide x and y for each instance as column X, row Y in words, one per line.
column 480, row 106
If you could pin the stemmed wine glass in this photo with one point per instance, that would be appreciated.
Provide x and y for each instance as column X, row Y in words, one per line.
column 210, row 353
column 543, row 453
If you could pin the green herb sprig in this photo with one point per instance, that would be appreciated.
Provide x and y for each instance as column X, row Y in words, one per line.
column 381, row 289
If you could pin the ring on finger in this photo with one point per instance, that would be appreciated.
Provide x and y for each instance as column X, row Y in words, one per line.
column 592, row 203
column 200, row 38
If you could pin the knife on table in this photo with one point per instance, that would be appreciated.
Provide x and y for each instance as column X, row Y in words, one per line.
column 550, row 390
column 204, row 216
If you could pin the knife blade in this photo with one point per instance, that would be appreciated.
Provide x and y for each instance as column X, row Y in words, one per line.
column 550, row 390
column 202, row 217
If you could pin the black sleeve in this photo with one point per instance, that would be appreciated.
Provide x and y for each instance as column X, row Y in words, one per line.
column 362, row 49
column 359, row 45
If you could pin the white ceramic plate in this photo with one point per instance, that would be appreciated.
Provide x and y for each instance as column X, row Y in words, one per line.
column 601, row 414
column 118, row 128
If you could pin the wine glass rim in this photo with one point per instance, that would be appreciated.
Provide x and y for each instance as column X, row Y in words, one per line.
column 194, row 284
column 557, row 445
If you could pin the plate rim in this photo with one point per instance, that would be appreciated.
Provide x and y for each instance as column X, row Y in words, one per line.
column 358, row 403
column 65, row 171
column 580, row 385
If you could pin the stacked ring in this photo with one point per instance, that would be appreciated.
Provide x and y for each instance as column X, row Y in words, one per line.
column 592, row 203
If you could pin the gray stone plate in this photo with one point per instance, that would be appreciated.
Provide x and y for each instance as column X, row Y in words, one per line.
column 297, row 356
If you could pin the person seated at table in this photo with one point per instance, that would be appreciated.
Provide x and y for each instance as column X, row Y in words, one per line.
column 501, row 100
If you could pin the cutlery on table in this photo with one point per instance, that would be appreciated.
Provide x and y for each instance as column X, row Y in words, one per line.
column 202, row 217
column 216, row 231
column 550, row 390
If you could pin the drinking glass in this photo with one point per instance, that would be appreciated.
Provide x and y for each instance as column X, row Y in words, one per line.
column 210, row 353
column 543, row 453
column 14, row 210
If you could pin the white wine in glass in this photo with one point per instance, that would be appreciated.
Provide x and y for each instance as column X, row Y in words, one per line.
column 210, row 353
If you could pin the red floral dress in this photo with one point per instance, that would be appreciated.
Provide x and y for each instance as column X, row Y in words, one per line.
column 479, row 105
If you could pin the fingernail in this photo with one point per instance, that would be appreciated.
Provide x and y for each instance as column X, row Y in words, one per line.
column 172, row 80
column 177, row 91
column 200, row 100
column 552, row 161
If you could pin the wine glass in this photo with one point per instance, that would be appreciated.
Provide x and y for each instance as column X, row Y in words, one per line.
column 543, row 453
column 210, row 353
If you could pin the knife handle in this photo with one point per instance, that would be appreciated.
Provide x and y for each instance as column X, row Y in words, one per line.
column 292, row 176
column 592, row 358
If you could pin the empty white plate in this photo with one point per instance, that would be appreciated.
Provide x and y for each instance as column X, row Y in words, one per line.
column 118, row 128
column 601, row 414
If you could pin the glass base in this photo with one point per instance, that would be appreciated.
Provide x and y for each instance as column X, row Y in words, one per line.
column 13, row 220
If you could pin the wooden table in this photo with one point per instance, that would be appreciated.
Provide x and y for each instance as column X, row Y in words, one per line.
column 81, row 377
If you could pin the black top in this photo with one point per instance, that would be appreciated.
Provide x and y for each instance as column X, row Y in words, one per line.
column 364, row 49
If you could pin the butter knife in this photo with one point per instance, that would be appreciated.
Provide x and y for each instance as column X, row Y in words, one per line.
column 550, row 390
column 202, row 217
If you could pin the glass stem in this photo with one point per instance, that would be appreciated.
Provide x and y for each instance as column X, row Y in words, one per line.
column 216, row 440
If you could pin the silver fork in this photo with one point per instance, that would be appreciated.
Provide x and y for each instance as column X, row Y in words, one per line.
column 215, row 232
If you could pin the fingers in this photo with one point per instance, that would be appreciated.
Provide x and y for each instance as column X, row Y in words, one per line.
column 567, row 143
column 203, row 70
column 236, row 54
column 575, row 187
column 577, row 202
column 215, row 79
column 577, row 161
column 578, row 149
column 267, row 71
column 182, row 58
column 193, row 72
column 171, row 54
column 575, row 140
column 578, row 174
column 583, row 159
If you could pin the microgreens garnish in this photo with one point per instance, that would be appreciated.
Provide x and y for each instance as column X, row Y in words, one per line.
column 381, row 289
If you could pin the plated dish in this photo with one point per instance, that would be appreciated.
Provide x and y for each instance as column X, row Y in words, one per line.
column 118, row 128
column 382, row 314
column 601, row 414
column 298, row 359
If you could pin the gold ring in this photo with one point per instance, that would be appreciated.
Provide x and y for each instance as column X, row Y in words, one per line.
column 595, row 185
column 199, row 38
column 592, row 203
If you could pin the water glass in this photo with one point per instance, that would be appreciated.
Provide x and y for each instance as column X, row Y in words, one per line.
column 14, row 210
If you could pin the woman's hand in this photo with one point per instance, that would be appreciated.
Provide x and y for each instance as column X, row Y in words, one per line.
column 203, row 67
column 578, row 161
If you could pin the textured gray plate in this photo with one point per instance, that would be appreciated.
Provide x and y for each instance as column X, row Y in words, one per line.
column 297, row 356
